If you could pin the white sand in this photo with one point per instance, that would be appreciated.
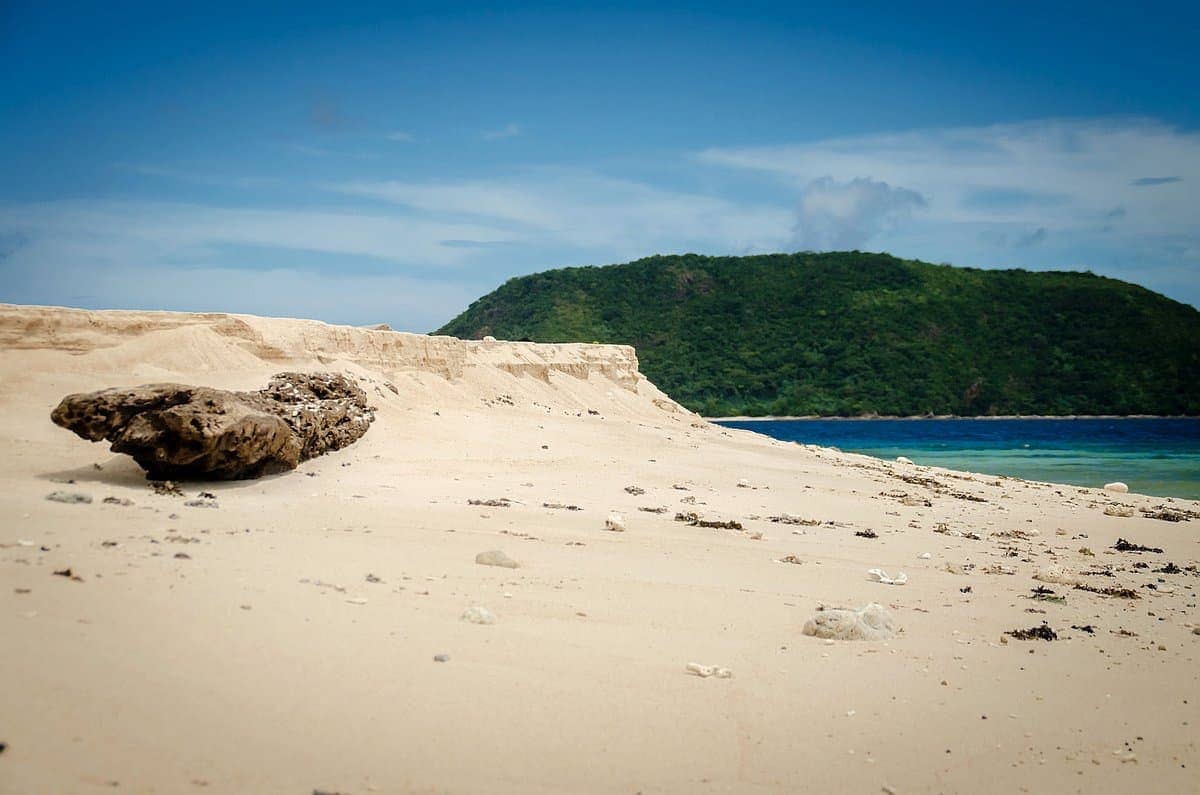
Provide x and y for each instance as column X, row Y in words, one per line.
column 244, row 669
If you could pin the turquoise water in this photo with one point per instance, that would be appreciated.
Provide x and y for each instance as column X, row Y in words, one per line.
column 1154, row 456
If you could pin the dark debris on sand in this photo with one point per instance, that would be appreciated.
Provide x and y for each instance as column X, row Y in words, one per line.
column 1128, row 546
column 1120, row 593
column 1042, row 632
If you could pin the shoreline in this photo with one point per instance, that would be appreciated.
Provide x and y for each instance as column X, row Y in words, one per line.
column 892, row 417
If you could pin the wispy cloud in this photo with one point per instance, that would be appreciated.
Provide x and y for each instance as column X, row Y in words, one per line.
column 585, row 210
column 1060, row 174
column 401, row 137
column 1142, row 182
column 510, row 130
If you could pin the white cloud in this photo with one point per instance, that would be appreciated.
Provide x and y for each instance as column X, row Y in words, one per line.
column 1056, row 173
column 510, row 130
column 843, row 215
column 401, row 137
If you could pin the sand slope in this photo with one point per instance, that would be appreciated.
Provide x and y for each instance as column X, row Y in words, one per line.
column 267, row 660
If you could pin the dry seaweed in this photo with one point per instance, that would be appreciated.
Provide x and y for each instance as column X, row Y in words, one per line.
column 866, row 534
column 695, row 521
column 789, row 519
column 1042, row 632
column 503, row 502
column 1044, row 594
column 1128, row 546
column 1120, row 593
column 166, row 488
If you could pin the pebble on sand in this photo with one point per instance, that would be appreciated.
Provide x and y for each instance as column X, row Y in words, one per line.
column 495, row 557
column 870, row 622
column 477, row 614
column 903, row 460
column 441, row 658
column 69, row 497
column 615, row 522
column 1117, row 486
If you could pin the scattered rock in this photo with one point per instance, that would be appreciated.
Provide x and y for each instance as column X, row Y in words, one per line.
column 560, row 507
column 1118, row 510
column 166, row 488
column 183, row 556
column 70, row 575
column 179, row 431
column 653, row 510
column 925, row 556
column 635, row 490
column 496, row 557
column 615, row 522
column 790, row 559
column 478, row 614
column 903, row 460
column 200, row 504
column 69, row 497
column 122, row 501
column 441, row 658
column 870, row 622
column 866, row 534
column 1116, row 486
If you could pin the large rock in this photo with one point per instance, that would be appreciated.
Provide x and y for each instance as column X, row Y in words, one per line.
column 178, row 432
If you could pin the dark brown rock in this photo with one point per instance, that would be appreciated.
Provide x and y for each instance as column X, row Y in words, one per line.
column 178, row 431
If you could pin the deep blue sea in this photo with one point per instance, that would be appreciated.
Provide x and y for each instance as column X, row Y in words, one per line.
column 1154, row 456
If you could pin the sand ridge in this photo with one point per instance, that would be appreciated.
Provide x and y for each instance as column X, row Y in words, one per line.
column 285, row 640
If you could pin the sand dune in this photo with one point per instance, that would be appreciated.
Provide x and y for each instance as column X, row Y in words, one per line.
column 285, row 640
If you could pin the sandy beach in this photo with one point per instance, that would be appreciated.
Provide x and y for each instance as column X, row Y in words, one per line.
column 282, row 637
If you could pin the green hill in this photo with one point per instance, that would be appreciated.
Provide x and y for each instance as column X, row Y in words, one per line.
column 850, row 333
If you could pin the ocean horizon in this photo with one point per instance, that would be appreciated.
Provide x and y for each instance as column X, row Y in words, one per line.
column 1159, row 456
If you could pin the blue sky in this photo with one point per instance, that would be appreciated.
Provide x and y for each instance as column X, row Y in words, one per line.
column 391, row 162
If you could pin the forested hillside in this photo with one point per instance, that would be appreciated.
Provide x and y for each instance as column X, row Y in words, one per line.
column 851, row 333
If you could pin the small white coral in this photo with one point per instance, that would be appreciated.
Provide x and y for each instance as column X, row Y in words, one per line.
column 615, row 522
column 882, row 576
column 477, row 614
column 705, row 671
column 1057, row 574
